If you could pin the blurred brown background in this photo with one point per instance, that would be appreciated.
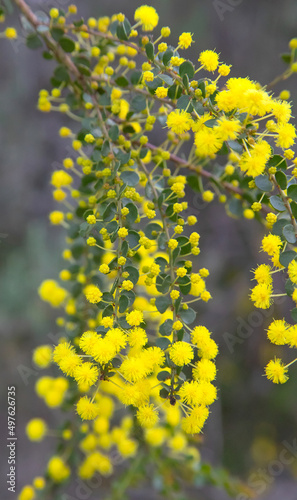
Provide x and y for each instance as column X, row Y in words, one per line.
column 252, row 417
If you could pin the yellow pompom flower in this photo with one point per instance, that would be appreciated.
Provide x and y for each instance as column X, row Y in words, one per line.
column 261, row 296
column 92, row 294
column 205, row 370
column 51, row 292
column 147, row 416
column 147, row 16
column 276, row 371
column 56, row 217
column 161, row 92
column 262, row 274
column 209, row 59
column 86, row 374
column 271, row 244
column 181, row 353
column 292, row 271
column 11, row 33
column 179, row 121
column 42, row 356
column 104, row 269
column 277, row 332
column 185, row 40
column 26, row 493
column 36, row 429
column 103, row 351
column 193, row 423
column 208, row 141
column 286, row 134
column 57, row 469
column 86, row 409
column 134, row 318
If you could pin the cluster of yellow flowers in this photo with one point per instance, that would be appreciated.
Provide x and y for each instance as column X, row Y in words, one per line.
column 130, row 270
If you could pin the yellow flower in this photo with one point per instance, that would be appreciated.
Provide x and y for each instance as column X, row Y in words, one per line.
column 276, row 371
column 185, row 40
column 181, row 353
column 147, row 16
column 93, row 294
column 179, row 121
column 147, row 416
column 86, row 409
column 36, row 429
column 209, row 59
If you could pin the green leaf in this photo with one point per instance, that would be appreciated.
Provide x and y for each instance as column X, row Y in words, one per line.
column 293, row 314
column 289, row 233
column 293, row 206
column 130, row 177
column 192, row 181
column 133, row 213
column 289, row 287
column 162, row 343
column 167, row 56
column 151, row 229
column 234, row 208
column 121, row 81
column 33, row 41
column 121, row 32
column 133, row 274
column 286, row 257
column 166, row 328
column 167, row 79
column 61, row 74
column 67, row 44
column 184, row 285
column 235, row 146
column 174, row 92
column 164, row 375
column 108, row 311
column 136, row 77
column 163, row 282
column 57, row 33
column 188, row 315
column 133, row 238
column 277, row 203
column 263, row 183
column 138, row 103
column 114, row 133
column 186, row 81
column 286, row 58
column 281, row 179
column 123, row 303
column 210, row 123
column 184, row 103
column 164, row 393
column 278, row 227
column 150, row 51
column 109, row 212
column 47, row 55
column 162, row 263
column 162, row 303
column 187, row 68
column 292, row 192
column 277, row 161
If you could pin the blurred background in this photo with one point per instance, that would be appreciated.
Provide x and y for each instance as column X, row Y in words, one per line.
column 253, row 421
